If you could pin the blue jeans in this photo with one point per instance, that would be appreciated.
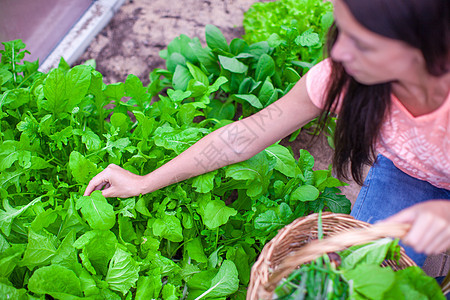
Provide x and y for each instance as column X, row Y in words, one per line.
column 387, row 190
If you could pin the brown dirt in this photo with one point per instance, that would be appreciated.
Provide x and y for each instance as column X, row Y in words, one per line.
column 131, row 42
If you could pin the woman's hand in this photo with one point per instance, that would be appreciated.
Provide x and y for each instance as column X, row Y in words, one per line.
column 430, row 226
column 116, row 182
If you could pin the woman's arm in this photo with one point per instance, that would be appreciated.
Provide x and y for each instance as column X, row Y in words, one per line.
column 230, row 144
column 430, row 226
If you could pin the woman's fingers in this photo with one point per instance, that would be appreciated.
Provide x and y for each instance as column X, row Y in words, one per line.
column 430, row 226
column 99, row 181
column 115, row 182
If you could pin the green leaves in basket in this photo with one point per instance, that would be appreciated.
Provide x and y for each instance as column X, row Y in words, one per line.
column 360, row 276
column 361, row 265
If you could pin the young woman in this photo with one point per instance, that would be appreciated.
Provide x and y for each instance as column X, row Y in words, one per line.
column 388, row 78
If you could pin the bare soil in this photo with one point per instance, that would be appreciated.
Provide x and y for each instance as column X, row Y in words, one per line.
column 131, row 42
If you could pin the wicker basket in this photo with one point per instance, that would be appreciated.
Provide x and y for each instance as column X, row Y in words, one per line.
column 297, row 244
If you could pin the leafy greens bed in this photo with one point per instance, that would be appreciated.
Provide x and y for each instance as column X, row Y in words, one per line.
column 194, row 240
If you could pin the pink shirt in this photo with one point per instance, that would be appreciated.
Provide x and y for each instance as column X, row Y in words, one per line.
column 419, row 146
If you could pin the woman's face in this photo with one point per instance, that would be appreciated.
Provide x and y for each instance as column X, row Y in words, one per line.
column 368, row 57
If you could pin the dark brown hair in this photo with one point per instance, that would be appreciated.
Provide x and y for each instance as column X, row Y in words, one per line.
column 421, row 24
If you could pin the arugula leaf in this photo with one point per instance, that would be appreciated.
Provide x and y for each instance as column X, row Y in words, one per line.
column 41, row 248
column 57, row 281
column 305, row 193
column 97, row 211
column 194, row 249
column 98, row 247
column 8, row 215
column 215, row 39
column 371, row 253
column 123, row 271
column 8, row 291
column 371, row 281
column 216, row 213
column 232, row 64
column 413, row 283
column 148, row 287
column 169, row 227
column 264, row 68
column 82, row 169
column 225, row 283
column 285, row 162
column 9, row 259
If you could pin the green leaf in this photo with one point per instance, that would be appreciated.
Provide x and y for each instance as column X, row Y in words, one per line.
column 198, row 74
column 78, row 81
column 181, row 78
column 226, row 282
column 81, row 168
column 221, row 110
column 232, row 64
column 97, row 211
column 216, row 213
column 336, row 203
column 8, row 215
column 5, row 76
column 148, row 287
column 8, row 291
column 90, row 139
column 305, row 193
column 268, row 221
column 371, row 253
column 88, row 284
column 170, row 292
column 413, row 283
column 57, row 281
column 215, row 39
column 308, row 39
column 255, row 171
column 195, row 251
column 275, row 40
column 201, row 280
column 305, row 161
column 206, row 58
column 242, row 261
column 178, row 95
column 264, row 68
column 169, row 227
column 285, row 162
column 9, row 259
column 291, row 75
column 55, row 91
column 174, row 60
column 204, row 183
column 66, row 255
column 40, row 250
column 217, row 84
column 177, row 140
column 98, row 247
column 266, row 92
column 182, row 44
column 251, row 99
column 123, row 272
column 64, row 91
column 115, row 91
column 372, row 281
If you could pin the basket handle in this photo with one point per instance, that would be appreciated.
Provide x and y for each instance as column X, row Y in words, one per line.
column 333, row 243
